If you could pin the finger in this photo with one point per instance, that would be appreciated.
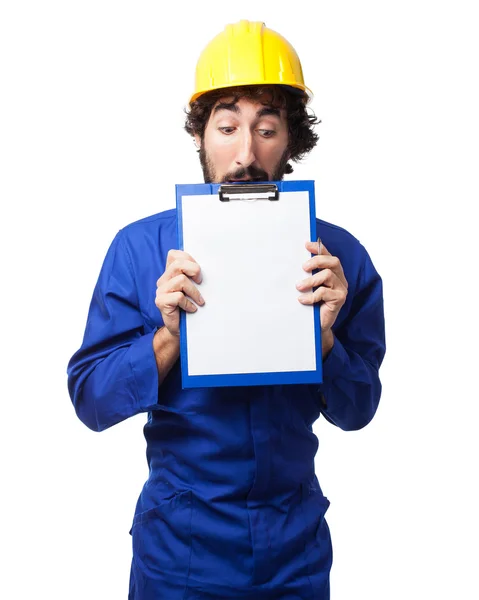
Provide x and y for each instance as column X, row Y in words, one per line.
column 323, row 262
column 187, row 305
column 178, row 255
column 327, row 262
column 170, row 302
column 324, row 294
column 179, row 266
column 325, row 277
column 188, row 267
column 317, row 247
column 182, row 283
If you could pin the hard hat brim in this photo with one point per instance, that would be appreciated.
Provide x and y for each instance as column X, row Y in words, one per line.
column 295, row 89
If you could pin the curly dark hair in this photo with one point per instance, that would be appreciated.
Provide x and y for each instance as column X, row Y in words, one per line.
column 300, row 118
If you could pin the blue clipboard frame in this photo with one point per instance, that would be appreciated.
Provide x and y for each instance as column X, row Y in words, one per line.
column 248, row 379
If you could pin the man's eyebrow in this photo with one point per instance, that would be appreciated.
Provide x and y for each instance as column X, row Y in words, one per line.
column 233, row 107
column 226, row 106
column 268, row 110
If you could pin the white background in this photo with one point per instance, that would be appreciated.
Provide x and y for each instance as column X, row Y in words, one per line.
column 92, row 95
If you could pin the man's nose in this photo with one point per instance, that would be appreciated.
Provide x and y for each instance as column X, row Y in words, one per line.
column 245, row 155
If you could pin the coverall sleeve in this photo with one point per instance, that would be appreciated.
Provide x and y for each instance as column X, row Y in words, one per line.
column 114, row 375
column 351, row 387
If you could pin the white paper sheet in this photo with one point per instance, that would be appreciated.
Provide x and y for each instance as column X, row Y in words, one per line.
column 251, row 255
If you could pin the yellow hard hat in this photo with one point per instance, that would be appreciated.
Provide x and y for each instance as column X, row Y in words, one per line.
column 248, row 53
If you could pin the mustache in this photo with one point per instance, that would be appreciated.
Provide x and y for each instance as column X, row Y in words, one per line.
column 251, row 172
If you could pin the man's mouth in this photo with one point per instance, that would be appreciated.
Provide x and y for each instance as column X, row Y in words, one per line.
column 245, row 179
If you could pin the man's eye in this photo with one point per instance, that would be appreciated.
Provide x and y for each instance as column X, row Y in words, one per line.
column 267, row 133
column 227, row 130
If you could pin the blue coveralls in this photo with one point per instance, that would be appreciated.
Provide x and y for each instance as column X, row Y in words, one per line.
column 232, row 507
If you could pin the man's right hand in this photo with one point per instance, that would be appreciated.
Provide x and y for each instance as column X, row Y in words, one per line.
column 175, row 289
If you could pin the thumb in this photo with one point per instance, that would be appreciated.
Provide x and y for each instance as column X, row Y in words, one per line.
column 322, row 248
column 317, row 247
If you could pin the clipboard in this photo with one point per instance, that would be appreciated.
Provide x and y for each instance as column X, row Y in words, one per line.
column 248, row 239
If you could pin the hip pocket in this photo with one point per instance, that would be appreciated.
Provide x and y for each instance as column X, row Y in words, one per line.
column 318, row 547
column 313, row 506
column 162, row 537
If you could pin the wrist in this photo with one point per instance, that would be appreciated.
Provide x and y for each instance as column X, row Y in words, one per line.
column 163, row 338
column 166, row 348
column 327, row 342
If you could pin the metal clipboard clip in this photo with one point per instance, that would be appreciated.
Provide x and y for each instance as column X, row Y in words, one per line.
column 248, row 191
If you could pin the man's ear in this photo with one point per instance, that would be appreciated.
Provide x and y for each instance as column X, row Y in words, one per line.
column 197, row 140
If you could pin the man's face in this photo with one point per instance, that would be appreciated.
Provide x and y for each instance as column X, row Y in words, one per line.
column 244, row 141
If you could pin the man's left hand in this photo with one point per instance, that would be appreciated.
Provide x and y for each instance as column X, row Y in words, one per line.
column 330, row 283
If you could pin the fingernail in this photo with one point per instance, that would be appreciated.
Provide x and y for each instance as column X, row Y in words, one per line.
column 201, row 299
column 299, row 284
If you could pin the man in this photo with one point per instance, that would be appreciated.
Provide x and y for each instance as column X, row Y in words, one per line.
column 232, row 507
